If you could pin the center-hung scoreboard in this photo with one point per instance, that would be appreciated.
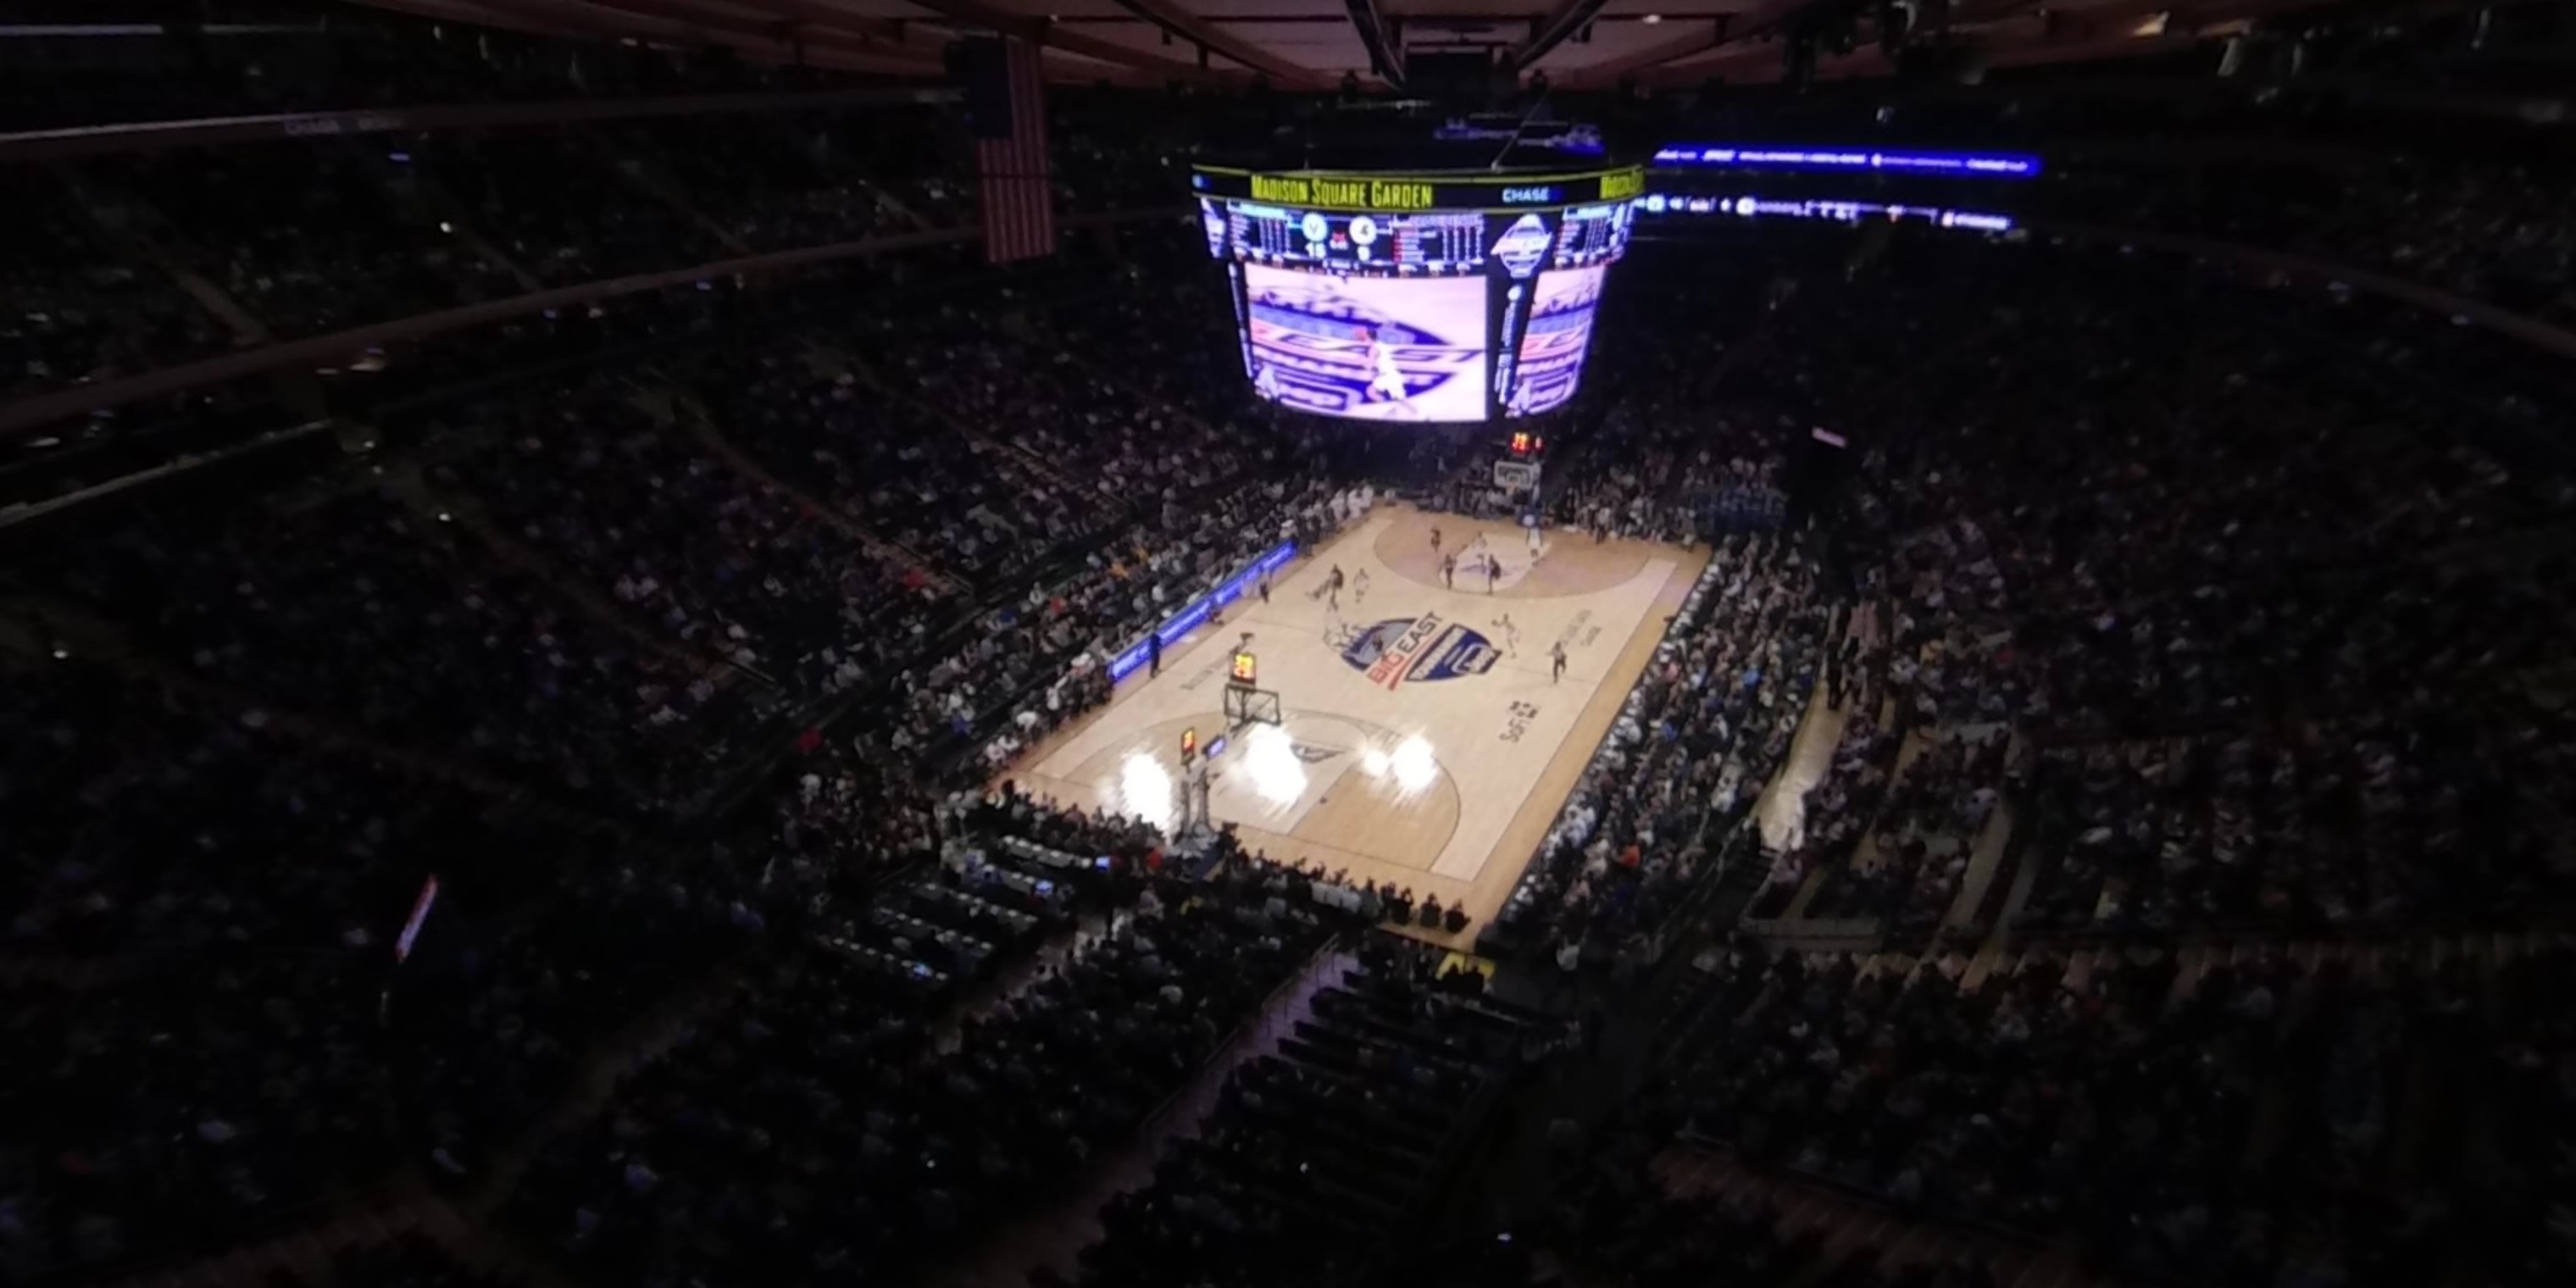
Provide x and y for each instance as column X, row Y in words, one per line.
column 1435, row 297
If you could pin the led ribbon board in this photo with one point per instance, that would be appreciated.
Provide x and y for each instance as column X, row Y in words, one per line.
column 1397, row 193
column 1656, row 205
column 1199, row 610
column 1958, row 165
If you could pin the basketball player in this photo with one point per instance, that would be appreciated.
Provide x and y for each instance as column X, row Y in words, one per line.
column 1534, row 543
column 1359, row 588
column 1449, row 571
column 1435, row 538
column 1388, row 383
column 1493, row 571
column 1556, row 661
column 1333, row 590
column 1511, row 635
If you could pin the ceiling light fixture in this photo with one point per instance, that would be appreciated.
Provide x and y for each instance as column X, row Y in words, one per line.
column 1651, row 19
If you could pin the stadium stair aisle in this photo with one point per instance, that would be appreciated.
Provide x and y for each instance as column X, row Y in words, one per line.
column 2008, row 885
column 1371, row 1154
column 465, row 1223
column 1054, row 1235
column 69, row 973
column 484, row 1248
column 1775, row 818
column 308, row 1257
column 1141, row 394
column 305, row 1253
column 1864, row 855
column 108, row 645
column 638, row 1045
column 1842, row 1230
column 901, row 207
column 145, row 235
column 833, row 361
column 1985, row 861
column 1050, row 956
column 1781, row 810
column 647, row 175
column 439, row 206
column 690, row 416
column 1830, row 1230
column 467, row 514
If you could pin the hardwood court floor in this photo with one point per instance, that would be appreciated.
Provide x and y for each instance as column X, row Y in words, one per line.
column 1423, row 741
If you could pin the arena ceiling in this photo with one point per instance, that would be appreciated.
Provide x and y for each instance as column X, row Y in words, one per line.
column 1313, row 44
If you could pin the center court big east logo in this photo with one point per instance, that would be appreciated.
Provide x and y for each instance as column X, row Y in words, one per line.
column 1413, row 648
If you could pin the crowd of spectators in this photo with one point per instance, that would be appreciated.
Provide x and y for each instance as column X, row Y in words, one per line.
column 1629, row 1224
column 311, row 57
column 1077, row 628
column 641, row 508
column 1836, row 813
column 2248, row 582
column 2199, row 515
column 79, row 311
column 1130, row 332
column 1705, row 728
column 1864, row 1078
column 1665, row 484
column 1311, row 1154
column 488, row 1032
column 980, row 506
column 2531, row 1062
column 150, row 824
column 1930, row 820
column 1082, row 420
column 2209, row 1120
column 557, row 207
column 2256, row 604
column 315, row 237
column 728, row 563
column 809, row 178
column 250, row 1051
column 2481, row 226
column 382, row 614
column 990, row 501
column 109, row 259
column 2377, row 823
column 823, row 1127
column 413, row 1261
column 567, row 604
column 191, row 1105
column 305, row 240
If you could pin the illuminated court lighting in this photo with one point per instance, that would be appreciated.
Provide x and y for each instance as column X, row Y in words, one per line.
column 1145, row 790
column 1414, row 765
column 1271, row 760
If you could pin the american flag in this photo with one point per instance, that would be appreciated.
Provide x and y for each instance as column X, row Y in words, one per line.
column 1019, row 200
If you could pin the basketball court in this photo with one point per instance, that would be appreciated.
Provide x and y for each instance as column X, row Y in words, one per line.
column 1419, row 736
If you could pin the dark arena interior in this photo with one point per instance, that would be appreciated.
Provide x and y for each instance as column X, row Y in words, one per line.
column 1287, row 644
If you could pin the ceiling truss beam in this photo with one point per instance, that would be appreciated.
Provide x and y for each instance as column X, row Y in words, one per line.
column 978, row 15
column 1184, row 25
column 1557, row 27
column 1378, row 40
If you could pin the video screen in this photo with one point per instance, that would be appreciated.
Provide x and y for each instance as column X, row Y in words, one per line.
column 1432, row 315
column 1369, row 348
column 1553, row 344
